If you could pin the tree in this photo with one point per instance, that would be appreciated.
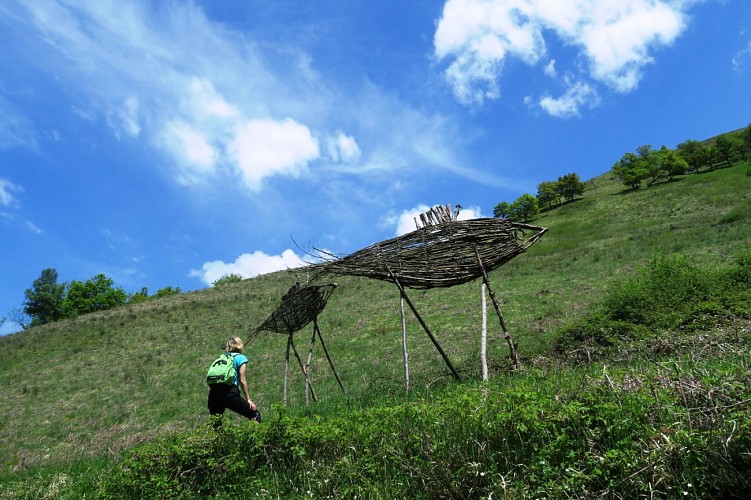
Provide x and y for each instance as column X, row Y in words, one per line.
column 503, row 209
column 629, row 170
column 672, row 163
column 95, row 294
column 44, row 300
column 524, row 208
column 728, row 146
column 548, row 194
column 746, row 136
column 650, row 160
column 569, row 186
column 695, row 153
column 20, row 318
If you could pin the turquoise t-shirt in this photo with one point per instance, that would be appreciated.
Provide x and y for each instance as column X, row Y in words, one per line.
column 240, row 360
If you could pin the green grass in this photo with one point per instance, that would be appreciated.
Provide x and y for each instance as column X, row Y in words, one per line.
column 105, row 382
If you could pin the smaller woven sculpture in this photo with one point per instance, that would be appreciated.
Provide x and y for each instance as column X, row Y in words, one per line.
column 300, row 306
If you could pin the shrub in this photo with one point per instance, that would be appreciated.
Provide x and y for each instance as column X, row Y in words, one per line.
column 228, row 278
column 659, row 295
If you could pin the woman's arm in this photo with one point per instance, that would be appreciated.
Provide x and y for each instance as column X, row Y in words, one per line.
column 244, row 385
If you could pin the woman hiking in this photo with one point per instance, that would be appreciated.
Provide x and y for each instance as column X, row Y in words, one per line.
column 222, row 396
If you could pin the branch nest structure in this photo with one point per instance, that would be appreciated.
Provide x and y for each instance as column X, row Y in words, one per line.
column 438, row 255
column 300, row 306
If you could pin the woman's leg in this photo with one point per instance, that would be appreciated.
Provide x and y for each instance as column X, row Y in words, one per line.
column 235, row 402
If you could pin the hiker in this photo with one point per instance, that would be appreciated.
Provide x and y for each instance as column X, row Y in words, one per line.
column 223, row 396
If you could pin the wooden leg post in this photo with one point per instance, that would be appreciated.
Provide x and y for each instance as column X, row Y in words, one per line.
column 331, row 363
column 497, row 306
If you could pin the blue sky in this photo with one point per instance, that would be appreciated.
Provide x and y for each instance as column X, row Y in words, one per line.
column 168, row 143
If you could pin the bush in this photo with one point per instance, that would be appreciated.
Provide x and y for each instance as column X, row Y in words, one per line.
column 228, row 278
column 596, row 333
column 661, row 294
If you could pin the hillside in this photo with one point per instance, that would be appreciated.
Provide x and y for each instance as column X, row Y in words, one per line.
column 104, row 382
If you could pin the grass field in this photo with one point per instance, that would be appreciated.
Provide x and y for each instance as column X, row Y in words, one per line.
column 81, row 391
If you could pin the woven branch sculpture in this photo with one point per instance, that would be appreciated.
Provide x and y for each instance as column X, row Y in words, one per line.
column 441, row 252
column 438, row 255
column 300, row 306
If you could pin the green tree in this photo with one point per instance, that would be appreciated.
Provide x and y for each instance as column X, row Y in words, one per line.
column 728, row 146
column 695, row 153
column 650, row 160
column 503, row 209
column 95, row 294
column 672, row 163
column 524, row 208
column 228, row 278
column 548, row 194
column 569, row 186
column 630, row 170
column 44, row 300
column 746, row 136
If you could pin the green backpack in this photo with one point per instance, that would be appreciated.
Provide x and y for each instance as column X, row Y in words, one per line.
column 222, row 370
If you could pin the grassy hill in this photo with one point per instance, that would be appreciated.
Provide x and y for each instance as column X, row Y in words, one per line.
column 97, row 385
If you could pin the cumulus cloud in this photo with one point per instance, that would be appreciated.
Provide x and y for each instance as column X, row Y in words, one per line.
column 616, row 38
column 248, row 265
column 576, row 96
column 265, row 147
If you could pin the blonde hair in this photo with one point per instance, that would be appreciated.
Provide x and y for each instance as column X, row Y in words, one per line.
column 234, row 344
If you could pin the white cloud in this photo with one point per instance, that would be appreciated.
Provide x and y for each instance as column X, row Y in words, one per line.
column 197, row 156
column 6, row 193
column 742, row 59
column 124, row 118
column 206, row 100
column 568, row 105
column 262, row 148
column 33, row 227
column 248, row 265
column 15, row 129
column 343, row 148
column 616, row 37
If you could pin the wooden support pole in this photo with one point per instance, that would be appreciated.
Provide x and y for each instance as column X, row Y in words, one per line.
column 302, row 369
column 286, row 369
column 331, row 362
column 484, row 335
column 307, row 366
column 497, row 306
column 425, row 327
column 404, row 346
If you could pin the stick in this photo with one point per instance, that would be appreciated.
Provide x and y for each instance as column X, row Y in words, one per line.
column 299, row 361
column 404, row 346
column 425, row 327
column 286, row 369
column 307, row 366
column 484, row 336
column 331, row 363
column 497, row 307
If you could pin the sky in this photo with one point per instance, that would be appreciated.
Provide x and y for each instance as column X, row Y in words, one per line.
column 169, row 143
